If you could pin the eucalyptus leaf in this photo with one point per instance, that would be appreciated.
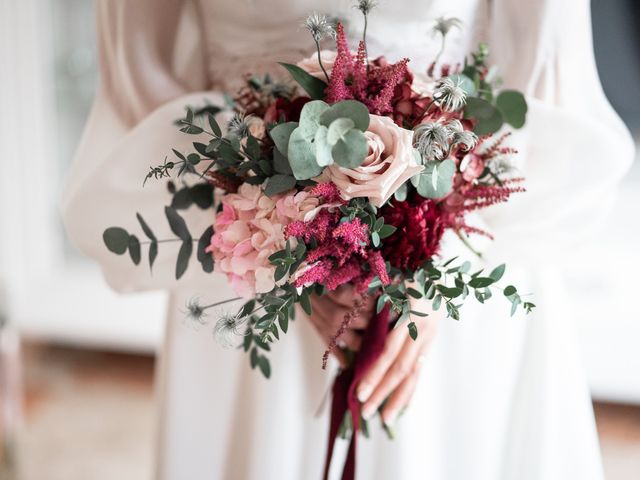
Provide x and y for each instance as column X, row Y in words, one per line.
column 134, row 249
column 386, row 231
column 202, row 195
column 116, row 239
column 281, row 163
column 510, row 290
column 184, row 255
column 401, row 193
column 302, row 157
column 488, row 118
column 497, row 273
column 280, row 135
column 310, row 119
column 350, row 151
column 279, row 183
column 205, row 258
column 305, row 303
column 351, row 109
column 338, row 130
column 413, row 330
column 312, row 85
column 481, row 282
column 153, row 253
column 177, row 224
column 215, row 128
column 323, row 148
column 513, row 107
column 438, row 185
column 265, row 367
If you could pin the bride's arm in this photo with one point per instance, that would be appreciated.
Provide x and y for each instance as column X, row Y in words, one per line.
column 151, row 62
column 574, row 150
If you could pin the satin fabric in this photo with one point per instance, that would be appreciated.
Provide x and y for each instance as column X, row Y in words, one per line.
column 499, row 398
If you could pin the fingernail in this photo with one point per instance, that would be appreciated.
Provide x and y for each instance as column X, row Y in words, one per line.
column 364, row 392
column 390, row 418
column 368, row 411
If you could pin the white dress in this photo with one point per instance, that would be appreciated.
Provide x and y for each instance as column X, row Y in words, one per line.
column 500, row 398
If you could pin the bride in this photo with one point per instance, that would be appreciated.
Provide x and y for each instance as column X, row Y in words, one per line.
column 491, row 397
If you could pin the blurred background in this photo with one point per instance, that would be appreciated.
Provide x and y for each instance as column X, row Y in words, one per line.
column 76, row 360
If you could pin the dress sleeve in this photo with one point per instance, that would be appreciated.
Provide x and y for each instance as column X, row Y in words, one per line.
column 574, row 149
column 151, row 66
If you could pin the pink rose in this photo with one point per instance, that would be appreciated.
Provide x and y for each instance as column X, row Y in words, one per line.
column 311, row 65
column 390, row 163
column 249, row 229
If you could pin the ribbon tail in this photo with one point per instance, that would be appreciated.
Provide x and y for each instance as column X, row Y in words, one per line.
column 344, row 390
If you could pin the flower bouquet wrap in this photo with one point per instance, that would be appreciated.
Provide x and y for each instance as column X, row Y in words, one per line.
column 348, row 172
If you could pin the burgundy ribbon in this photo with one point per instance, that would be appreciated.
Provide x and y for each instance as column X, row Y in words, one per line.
column 344, row 390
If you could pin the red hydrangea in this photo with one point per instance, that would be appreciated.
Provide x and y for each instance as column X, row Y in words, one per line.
column 420, row 224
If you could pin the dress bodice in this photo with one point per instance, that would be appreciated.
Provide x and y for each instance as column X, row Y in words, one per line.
column 251, row 35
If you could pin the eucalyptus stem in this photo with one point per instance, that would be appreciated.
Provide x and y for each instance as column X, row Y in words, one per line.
column 166, row 240
column 320, row 61
column 468, row 245
column 216, row 304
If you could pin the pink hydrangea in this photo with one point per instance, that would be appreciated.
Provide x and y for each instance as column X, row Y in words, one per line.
column 249, row 229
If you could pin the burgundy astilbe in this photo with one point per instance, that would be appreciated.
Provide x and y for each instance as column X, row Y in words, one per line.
column 340, row 253
column 328, row 191
column 482, row 196
column 318, row 228
column 351, row 78
column 349, row 317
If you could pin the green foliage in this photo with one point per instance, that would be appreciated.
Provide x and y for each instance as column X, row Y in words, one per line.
column 482, row 105
column 312, row 85
column 302, row 156
column 205, row 259
column 436, row 180
column 489, row 119
column 280, row 135
column 200, row 194
column 513, row 107
column 325, row 134
column 279, row 184
column 116, row 239
column 351, row 109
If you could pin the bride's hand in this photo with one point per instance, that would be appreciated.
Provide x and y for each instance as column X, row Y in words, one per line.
column 328, row 314
column 394, row 375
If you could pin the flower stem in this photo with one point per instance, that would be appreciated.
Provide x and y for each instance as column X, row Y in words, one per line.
column 320, row 61
column 206, row 307
column 364, row 41
column 467, row 244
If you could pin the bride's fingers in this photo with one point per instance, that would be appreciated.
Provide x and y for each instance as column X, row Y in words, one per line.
column 351, row 340
column 401, row 397
column 340, row 357
column 376, row 372
column 403, row 365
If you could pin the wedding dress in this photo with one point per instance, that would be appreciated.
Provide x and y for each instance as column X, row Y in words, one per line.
column 500, row 398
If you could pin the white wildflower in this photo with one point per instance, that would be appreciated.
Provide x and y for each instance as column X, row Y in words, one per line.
column 227, row 329
column 449, row 94
column 365, row 6
column 319, row 26
column 443, row 25
column 432, row 140
column 196, row 314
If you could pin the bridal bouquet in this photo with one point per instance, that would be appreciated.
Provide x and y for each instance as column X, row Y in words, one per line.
column 351, row 174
